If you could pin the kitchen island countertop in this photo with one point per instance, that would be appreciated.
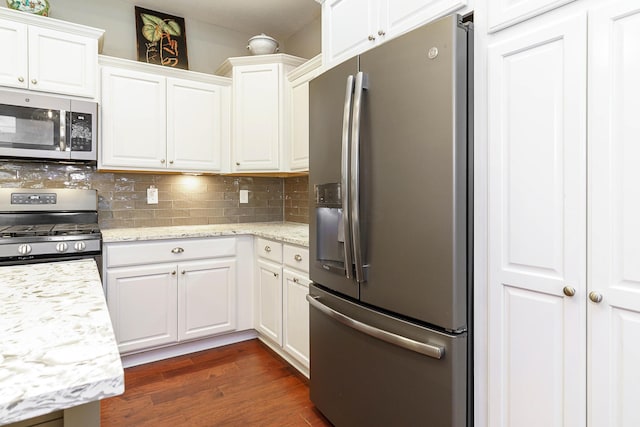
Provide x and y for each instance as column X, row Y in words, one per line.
column 57, row 348
column 287, row 232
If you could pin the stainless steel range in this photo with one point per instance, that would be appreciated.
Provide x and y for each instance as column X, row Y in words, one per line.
column 48, row 225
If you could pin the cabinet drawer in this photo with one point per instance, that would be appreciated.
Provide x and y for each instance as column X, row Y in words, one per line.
column 296, row 257
column 123, row 254
column 269, row 249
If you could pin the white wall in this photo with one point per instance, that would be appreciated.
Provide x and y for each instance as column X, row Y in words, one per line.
column 207, row 45
column 307, row 42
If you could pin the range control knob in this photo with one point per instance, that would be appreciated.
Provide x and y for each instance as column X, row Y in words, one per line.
column 79, row 246
column 24, row 249
column 62, row 247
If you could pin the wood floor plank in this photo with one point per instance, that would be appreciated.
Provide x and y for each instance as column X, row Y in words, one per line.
column 244, row 384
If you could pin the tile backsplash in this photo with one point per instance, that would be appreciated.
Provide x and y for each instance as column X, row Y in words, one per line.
column 182, row 199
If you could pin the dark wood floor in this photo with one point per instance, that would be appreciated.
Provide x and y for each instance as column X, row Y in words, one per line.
column 243, row 384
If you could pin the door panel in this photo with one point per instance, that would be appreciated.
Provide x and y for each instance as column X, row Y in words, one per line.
column 351, row 389
column 326, row 110
column 537, row 211
column 414, row 165
column 614, row 212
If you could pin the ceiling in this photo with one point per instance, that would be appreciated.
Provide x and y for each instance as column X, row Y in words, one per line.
column 277, row 18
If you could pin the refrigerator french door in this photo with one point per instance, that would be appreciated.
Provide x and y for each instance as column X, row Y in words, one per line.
column 390, row 232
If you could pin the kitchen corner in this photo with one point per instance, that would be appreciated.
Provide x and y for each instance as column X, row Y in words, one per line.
column 59, row 350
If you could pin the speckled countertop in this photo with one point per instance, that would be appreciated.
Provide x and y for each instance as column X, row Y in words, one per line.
column 57, row 347
column 287, row 232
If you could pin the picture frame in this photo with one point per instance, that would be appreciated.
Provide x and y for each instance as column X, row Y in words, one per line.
column 161, row 39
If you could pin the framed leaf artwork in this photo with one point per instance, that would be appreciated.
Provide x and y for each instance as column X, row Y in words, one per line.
column 161, row 39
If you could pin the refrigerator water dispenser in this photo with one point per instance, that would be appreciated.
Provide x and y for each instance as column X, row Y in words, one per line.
column 330, row 242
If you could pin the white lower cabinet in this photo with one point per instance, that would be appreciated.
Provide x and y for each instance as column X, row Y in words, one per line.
column 165, row 292
column 281, row 308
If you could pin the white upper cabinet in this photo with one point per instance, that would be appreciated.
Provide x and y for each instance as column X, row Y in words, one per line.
column 163, row 120
column 614, row 213
column 261, row 111
column 350, row 27
column 503, row 13
column 298, row 147
column 537, row 217
column 195, row 133
column 48, row 55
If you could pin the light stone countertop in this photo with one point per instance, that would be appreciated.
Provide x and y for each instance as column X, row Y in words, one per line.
column 287, row 232
column 57, row 346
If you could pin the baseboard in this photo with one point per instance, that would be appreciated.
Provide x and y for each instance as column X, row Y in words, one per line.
column 284, row 355
column 181, row 349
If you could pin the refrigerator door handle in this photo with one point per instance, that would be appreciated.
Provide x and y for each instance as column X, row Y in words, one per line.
column 355, row 177
column 431, row 350
column 346, row 202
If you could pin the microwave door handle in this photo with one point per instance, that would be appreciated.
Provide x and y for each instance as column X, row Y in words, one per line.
column 63, row 130
column 344, row 184
column 360, row 85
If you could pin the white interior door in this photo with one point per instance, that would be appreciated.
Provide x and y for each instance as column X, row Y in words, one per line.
column 537, row 210
column 614, row 214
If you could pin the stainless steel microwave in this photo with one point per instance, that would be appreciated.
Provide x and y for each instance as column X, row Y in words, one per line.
column 36, row 126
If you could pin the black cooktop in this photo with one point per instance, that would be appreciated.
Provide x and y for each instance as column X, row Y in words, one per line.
column 34, row 230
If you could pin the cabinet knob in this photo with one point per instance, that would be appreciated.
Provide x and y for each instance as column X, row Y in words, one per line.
column 298, row 257
column 173, row 273
column 21, row 79
column 170, row 162
column 183, row 272
column 267, row 248
column 34, row 81
column 177, row 250
column 237, row 163
column 162, row 161
column 295, row 280
column 371, row 37
column 595, row 297
column 381, row 33
column 275, row 274
column 569, row 291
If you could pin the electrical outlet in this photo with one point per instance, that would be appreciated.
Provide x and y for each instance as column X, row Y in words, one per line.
column 152, row 195
column 244, row 196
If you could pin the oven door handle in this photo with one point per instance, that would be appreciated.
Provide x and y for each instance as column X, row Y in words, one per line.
column 431, row 350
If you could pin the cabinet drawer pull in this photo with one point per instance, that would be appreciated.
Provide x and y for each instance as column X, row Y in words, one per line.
column 298, row 257
column 183, row 272
column 21, row 79
column 267, row 248
column 295, row 280
column 371, row 38
column 177, row 250
column 173, row 273
column 275, row 274
column 34, row 81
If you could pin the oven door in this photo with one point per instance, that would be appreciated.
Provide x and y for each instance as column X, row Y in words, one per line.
column 33, row 126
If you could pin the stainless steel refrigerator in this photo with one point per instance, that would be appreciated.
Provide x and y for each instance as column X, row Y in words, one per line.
column 390, row 232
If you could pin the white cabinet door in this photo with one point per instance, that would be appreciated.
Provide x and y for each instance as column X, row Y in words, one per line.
column 299, row 144
column 194, row 125
column 142, row 303
column 206, row 298
column 296, row 316
column 61, row 62
column 537, row 211
column 614, row 213
column 349, row 27
column 257, row 111
column 269, row 300
column 133, row 120
column 397, row 17
column 13, row 66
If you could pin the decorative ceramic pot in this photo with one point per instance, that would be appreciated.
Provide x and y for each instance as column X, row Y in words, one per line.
column 37, row 7
column 262, row 45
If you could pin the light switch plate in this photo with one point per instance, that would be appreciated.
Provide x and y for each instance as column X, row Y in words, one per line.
column 152, row 196
column 244, row 196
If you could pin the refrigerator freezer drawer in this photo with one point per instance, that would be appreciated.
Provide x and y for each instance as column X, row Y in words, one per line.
column 360, row 376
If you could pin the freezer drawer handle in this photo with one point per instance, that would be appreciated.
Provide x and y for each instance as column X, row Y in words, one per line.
column 435, row 351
